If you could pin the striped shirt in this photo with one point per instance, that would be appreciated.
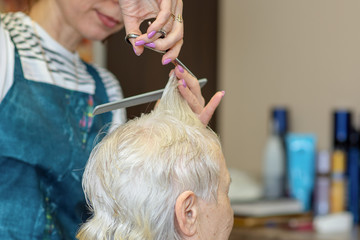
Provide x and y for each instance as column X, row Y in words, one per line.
column 49, row 63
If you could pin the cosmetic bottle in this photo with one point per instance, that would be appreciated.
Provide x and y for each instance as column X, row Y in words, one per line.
column 273, row 164
column 280, row 114
column 338, row 190
column 301, row 152
column 353, row 175
column 322, row 184
column 341, row 129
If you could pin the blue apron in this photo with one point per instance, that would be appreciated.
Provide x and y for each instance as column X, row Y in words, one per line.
column 46, row 135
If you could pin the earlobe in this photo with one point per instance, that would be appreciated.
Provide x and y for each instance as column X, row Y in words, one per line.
column 186, row 211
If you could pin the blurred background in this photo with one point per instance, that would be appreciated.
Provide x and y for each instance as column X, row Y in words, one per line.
column 303, row 55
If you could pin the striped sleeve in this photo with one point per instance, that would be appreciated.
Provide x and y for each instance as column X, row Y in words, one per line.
column 6, row 58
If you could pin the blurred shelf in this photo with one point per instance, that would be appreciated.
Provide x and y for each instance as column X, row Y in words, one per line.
column 261, row 229
column 281, row 234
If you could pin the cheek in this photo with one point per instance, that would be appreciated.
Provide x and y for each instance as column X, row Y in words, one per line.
column 225, row 221
column 91, row 28
column 229, row 216
column 228, row 213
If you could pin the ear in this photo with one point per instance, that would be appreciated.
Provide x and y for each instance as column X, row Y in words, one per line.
column 186, row 213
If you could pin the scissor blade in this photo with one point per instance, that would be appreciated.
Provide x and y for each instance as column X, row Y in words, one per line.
column 134, row 100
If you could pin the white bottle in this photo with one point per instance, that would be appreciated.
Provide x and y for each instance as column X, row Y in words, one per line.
column 274, row 166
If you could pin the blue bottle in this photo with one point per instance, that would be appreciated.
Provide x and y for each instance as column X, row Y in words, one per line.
column 354, row 175
column 341, row 126
column 280, row 116
column 301, row 152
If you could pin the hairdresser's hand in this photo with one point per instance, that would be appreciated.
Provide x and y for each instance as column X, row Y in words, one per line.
column 190, row 90
column 134, row 12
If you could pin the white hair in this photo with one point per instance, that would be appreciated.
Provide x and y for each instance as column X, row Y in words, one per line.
column 135, row 174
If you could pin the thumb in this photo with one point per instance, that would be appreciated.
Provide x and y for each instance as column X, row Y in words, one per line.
column 132, row 25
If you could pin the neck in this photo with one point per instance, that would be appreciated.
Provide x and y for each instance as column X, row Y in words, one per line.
column 48, row 15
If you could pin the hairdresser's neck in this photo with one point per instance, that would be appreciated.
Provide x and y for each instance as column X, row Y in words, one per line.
column 49, row 16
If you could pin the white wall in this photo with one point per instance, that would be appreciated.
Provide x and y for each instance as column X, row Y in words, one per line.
column 304, row 54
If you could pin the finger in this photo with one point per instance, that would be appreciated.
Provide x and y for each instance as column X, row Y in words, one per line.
column 175, row 31
column 169, row 56
column 162, row 18
column 171, row 72
column 132, row 26
column 191, row 82
column 190, row 98
column 172, row 53
column 155, row 32
column 179, row 8
column 151, row 39
column 176, row 35
column 210, row 108
column 138, row 50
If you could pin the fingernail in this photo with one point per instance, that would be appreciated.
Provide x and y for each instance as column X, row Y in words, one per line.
column 184, row 83
column 152, row 45
column 139, row 43
column 135, row 52
column 223, row 93
column 180, row 68
column 151, row 34
column 167, row 61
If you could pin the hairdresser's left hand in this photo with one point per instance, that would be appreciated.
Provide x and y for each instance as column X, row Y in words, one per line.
column 134, row 12
column 191, row 91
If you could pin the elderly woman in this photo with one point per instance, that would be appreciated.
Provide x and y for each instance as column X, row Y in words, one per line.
column 160, row 176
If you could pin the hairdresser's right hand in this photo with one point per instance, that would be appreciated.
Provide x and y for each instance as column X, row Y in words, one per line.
column 134, row 12
column 190, row 89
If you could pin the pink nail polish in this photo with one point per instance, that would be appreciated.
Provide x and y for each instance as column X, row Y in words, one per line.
column 135, row 52
column 184, row 83
column 152, row 45
column 180, row 68
column 139, row 43
column 151, row 34
column 223, row 93
column 167, row 61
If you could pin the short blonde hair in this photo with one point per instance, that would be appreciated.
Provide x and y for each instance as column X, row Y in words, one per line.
column 135, row 174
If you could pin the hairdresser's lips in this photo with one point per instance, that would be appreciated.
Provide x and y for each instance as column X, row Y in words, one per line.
column 106, row 20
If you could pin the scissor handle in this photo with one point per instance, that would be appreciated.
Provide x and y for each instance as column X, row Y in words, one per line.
column 133, row 35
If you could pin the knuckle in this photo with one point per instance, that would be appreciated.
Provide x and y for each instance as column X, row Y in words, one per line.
column 167, row 14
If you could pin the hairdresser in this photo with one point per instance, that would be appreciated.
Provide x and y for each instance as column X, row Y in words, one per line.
column 47, row 95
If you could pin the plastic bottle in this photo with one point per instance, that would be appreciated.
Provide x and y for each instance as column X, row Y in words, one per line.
column 322, row 184
column 280, row 114
column 301, row 152
column 337, row 192
column 274, row 165
column 354, row 176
